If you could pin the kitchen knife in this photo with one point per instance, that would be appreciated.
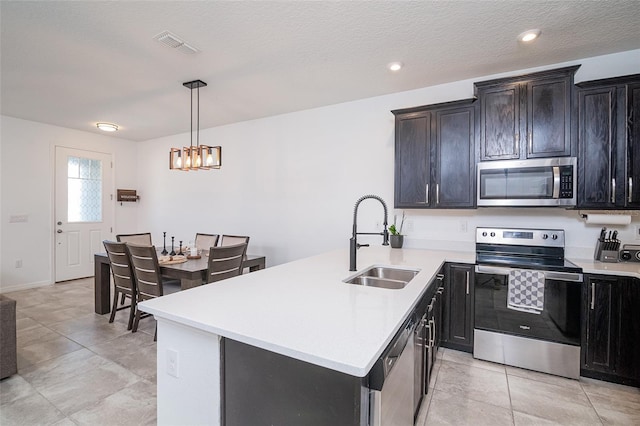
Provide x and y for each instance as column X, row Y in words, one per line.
column 602, row 234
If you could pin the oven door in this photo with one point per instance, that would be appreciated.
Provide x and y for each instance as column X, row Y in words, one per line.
column 558, row 322
column 540, row 182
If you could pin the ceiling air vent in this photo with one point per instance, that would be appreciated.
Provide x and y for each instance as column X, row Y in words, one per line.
column 173, row 41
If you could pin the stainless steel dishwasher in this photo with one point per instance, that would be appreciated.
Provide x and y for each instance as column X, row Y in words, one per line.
column 391, row 381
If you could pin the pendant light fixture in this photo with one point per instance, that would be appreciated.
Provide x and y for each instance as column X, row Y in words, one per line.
column 195, row 157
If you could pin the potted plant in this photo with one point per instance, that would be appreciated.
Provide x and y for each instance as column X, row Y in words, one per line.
column 396, row 238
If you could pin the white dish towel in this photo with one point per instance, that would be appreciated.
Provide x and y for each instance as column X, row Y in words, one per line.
column 526, row 291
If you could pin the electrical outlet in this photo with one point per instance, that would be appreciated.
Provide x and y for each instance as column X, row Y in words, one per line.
column 463, row 226
column 408, row 226
column 172, row 362
column 19, row 263
column 637, row 232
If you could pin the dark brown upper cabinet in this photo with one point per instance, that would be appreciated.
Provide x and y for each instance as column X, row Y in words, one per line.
column 435, row 156
column 609, row 143
column 527, row 116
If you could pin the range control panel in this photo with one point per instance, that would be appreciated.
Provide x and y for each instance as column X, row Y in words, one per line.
column 521, row 237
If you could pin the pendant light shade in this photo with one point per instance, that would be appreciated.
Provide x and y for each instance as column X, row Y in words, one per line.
column 195, row 157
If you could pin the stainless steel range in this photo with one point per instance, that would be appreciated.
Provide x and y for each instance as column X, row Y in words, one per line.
column 527, row 301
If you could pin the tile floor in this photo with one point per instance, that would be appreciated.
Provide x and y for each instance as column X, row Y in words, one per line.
column 74, row 368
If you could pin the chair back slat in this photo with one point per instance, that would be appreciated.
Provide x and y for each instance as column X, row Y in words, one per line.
column 143, row 239
column 232, row 240
column 206, row 241
column 121, row 269
column 225, row 262
column 146, row 270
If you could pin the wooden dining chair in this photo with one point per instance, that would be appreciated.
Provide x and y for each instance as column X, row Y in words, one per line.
column 124, row 282
column 205, row 241
column 230, row 240
column 225, row 262
column 143, row 239
column 146, row 269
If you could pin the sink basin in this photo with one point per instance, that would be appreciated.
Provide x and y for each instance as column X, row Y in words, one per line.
column 390, row 273
column 383, row 277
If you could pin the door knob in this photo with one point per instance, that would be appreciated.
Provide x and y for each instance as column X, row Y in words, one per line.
column 59, row 231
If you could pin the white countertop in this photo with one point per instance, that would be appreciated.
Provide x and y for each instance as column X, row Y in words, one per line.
column 590, row 266
column 303, row 310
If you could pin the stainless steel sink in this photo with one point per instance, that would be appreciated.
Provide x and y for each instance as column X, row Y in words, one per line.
column 383, row 277
column 390, row 273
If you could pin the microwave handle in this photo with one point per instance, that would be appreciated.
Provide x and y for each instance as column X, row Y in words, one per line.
column 556, row 182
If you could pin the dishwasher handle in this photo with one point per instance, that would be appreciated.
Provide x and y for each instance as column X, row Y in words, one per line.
column 384, row 365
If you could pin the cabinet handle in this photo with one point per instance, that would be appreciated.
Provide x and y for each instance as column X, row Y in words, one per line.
column 613, row 190
column 467, row 282
column 530, row 142
column 432, row 337
column 437, row 193
column 426, row 192
column 593, row 296
column 630, row 189
column 517, row 142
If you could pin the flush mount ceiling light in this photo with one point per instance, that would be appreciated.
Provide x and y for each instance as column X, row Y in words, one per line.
column 395, row 66
column 529, row 36
column 195, row 157
column 107, row 127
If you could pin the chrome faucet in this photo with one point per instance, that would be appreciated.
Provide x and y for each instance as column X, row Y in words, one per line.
column 353, row 242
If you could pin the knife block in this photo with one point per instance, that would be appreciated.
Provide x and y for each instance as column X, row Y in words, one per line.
column 610, row 256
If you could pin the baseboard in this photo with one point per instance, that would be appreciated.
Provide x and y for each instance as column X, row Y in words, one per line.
column 25, row 286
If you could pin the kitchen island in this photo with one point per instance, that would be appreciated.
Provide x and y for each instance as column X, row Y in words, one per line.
column 302, row 310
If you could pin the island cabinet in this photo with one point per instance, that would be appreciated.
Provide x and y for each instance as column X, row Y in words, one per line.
column 527, row 116
column 611, row 331
column 609, row 143
column 458, row 308
column 265, row 388
column 435, row 156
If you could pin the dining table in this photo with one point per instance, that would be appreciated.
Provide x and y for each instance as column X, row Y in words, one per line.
column 191, row 273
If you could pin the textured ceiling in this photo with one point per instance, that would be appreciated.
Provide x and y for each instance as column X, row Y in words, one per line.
column 73, row 64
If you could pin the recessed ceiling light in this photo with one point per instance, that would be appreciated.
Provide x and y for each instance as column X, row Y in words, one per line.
column 529, row 35
column 395, row 66
column 107, row 127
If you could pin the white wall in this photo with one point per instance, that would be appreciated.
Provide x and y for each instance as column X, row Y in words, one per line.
column 26, row 176
column 290, row 181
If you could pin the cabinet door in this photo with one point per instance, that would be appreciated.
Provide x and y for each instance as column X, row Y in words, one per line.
column 601, row 321
column 597, row 147
column 548, row 121
column 500, row 122
column 628, row 342
column 459, row 319
column 412, row 156
column 633, row 146
column 455, row 158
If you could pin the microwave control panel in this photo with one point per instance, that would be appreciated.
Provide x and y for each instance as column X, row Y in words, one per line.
column 566, row 182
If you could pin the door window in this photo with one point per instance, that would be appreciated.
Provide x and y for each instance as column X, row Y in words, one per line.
column 84, row 183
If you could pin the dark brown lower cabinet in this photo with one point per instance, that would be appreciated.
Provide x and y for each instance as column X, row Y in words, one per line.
column 611, row 330
column 458, row 307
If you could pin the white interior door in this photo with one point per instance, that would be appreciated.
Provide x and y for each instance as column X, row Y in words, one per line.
column 83, row 211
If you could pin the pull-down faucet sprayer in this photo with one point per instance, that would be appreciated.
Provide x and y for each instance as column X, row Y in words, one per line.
column 353, row 242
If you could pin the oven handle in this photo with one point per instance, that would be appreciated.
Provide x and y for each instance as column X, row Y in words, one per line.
column 549, row 275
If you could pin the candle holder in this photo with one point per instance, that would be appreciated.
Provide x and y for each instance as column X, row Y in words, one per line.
column 173, row 252
column 164, row 251
column 180, row 253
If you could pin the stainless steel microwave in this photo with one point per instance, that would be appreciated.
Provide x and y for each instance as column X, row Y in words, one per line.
column 542, row 182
